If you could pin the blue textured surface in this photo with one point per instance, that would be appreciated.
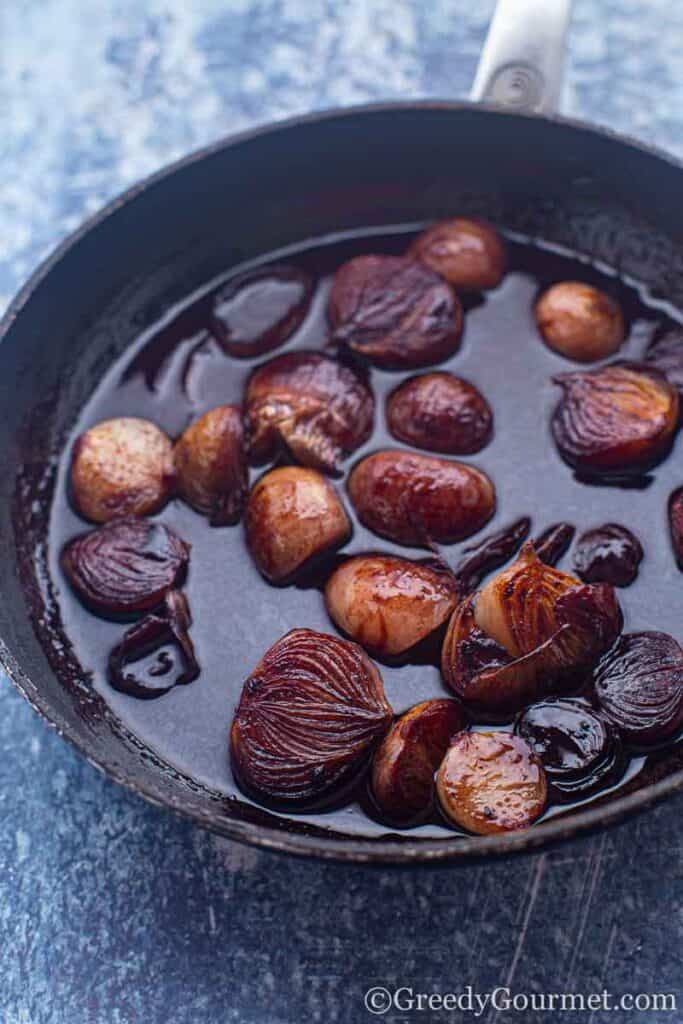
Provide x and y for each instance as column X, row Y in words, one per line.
column 113, row 911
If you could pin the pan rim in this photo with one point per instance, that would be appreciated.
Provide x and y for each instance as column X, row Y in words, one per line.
column 382, row 851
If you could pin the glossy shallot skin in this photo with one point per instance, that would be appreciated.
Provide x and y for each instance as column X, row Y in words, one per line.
column 389, row 604
column 309, row 405
column 405, row 762
column 639, row 687
column 530, row 631
column 491, row 782
column 164, row 636
column 121, row 467
column 608, row 554
column 395, row 312
column 467, row 252
column 581, row 751
column 618, row 420
column 211, row 465
column 126, row 566
column 554, row 542
column 416, row 499
column 293, row 515
column 259, row 310
column 489, row 553
column 308, row 719
column 439, row 412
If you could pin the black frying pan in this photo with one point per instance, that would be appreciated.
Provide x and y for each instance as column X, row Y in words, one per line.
column 607, row 197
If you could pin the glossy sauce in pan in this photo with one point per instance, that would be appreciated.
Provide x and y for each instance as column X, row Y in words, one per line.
column 176, row 370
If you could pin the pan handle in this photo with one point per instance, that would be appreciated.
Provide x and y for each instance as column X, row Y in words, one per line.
column 522, row 61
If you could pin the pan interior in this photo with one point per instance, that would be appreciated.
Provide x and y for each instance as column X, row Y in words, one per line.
column 106, row 301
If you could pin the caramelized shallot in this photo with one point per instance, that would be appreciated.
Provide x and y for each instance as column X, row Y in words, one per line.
column 490, row 553
column 440, row 413
column 676, row 524
column 405, row 762
column 312, row 406
column 307, row 720
column 580, row 751
column 580, row 321
column 608, row 554
column 417, row 499
column 553, row 543
column 639, row 687
column 616, row 420
column 527, row 631
column 126, row 566
column 491, row 782
column 261, row 309
column 121, row 467
column 293, row 515
column 389, row 604
column 468, row 252
column 395, row 312
column 211, row 465
column 156, row 653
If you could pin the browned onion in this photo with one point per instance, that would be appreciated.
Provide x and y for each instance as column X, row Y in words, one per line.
column 580, row 750
column 467, row 251
column 440, row 413
column 616, row 420
column 156, row 653
column 608, row 554
column 395, row 311
column 676, row 524
column 308, row 718
column 121, row 467
column 530, row 630
column 125, row 566
column 639, row 686
column 211, row 465
column 389, row 604
column 405, row 762
column 260, row 309
column 491, row 782
column 312, row 406
column 480, row 559
column 418, row 499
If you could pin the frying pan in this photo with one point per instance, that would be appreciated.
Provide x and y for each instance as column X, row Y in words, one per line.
column 507, row 157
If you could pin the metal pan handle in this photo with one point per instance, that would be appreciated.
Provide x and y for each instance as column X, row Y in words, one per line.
column 522, row 60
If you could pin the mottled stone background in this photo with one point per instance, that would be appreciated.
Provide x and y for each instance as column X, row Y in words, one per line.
column 113, row 911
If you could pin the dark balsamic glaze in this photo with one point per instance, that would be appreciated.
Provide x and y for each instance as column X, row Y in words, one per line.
column 259, row 311
column 608, row 554
column 580, row 750
column 177, row 370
